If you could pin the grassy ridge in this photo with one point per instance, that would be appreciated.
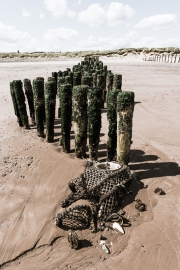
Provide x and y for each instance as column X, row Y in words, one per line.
column 121, row 52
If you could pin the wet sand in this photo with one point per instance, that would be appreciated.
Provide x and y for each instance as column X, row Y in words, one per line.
column 34, row 176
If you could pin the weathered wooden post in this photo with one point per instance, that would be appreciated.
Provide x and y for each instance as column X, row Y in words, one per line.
column 94, row 120
column 112, row 124
column 29, row 95
column 20, row 100
column 101, row 83
column 16, row 110
column 175, row 56
column 94, row 75
column 179, row 59
column 109, row 84
column 39, row 104
column 50, row 98
column 125, row 108
column 79, row 98
column 171, row 58
column 87, row 80
column 60, row 81
column 66, row 113
column 76, row 78
column 117, row 81
column 54, row 75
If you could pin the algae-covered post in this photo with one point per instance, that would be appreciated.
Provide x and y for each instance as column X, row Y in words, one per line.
column 117, row 81
column 112, row 125
column 39, row 104
column 87, row 80
column 16, row 110
column 20, row 99
column 54, row 75
column 60, row 81
column 50, row 97
column 94, row 120
column 76, row 78
column 29, row 95
column 66, row 113
column 80, row 119
column 125, row 108
column 101, row 83
column 109, row 84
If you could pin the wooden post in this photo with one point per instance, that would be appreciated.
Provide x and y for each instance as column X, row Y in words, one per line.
column 94, row 120
column 66, row 113
column 117, row 82
column 125, row 107
column 112, row 125
column 80, row 119
column 16, row 110
column 20, row 100
column 50, row 98
column 60, row 81
column 39, row 105
column 29, row 95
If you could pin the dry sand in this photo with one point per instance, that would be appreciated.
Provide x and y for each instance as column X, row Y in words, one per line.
column 34, row 177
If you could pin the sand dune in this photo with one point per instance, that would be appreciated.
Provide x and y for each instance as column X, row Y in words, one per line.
column 34, row 177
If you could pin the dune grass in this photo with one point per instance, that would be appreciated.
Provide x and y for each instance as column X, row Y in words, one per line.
column 54, row 55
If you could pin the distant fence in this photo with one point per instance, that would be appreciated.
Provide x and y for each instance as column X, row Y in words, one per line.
column 166, row 58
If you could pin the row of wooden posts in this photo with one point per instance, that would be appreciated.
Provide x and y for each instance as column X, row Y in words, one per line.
column 168, row 58
column 82, row 92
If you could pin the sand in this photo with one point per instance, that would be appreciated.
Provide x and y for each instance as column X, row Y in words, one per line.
column 34, row 177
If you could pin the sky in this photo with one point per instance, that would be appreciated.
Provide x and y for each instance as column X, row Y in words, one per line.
column 82, row 25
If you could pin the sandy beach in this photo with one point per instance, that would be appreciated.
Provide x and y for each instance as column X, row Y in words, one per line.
column 34, row 177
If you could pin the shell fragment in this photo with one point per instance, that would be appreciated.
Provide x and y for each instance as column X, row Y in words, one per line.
column 105, row 249
column 118, row 227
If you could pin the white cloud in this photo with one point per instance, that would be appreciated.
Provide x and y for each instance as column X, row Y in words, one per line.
column 41, row 16
column 10, row 34
column 117, row 12
column 157, row 22
column 58, row 8
column 94, row 15
column 25, row 13
column 60, row 34
column 79, row 2
column 113, row 14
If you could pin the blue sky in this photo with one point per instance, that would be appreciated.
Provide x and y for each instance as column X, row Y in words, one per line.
column 66, row 25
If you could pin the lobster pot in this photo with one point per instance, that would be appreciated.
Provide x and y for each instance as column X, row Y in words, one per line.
column 39, row 104
column 79, row 97
column 76, row 78
column 112, row 125
column 117, row 81
column 94, row 120
column 60, row 81
column 20, row 100
column 125, row 108
column 109, row 84
column 16, row 110
column 50, row 97
column 54, row 75
column 29, row 95
column 66, row 113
